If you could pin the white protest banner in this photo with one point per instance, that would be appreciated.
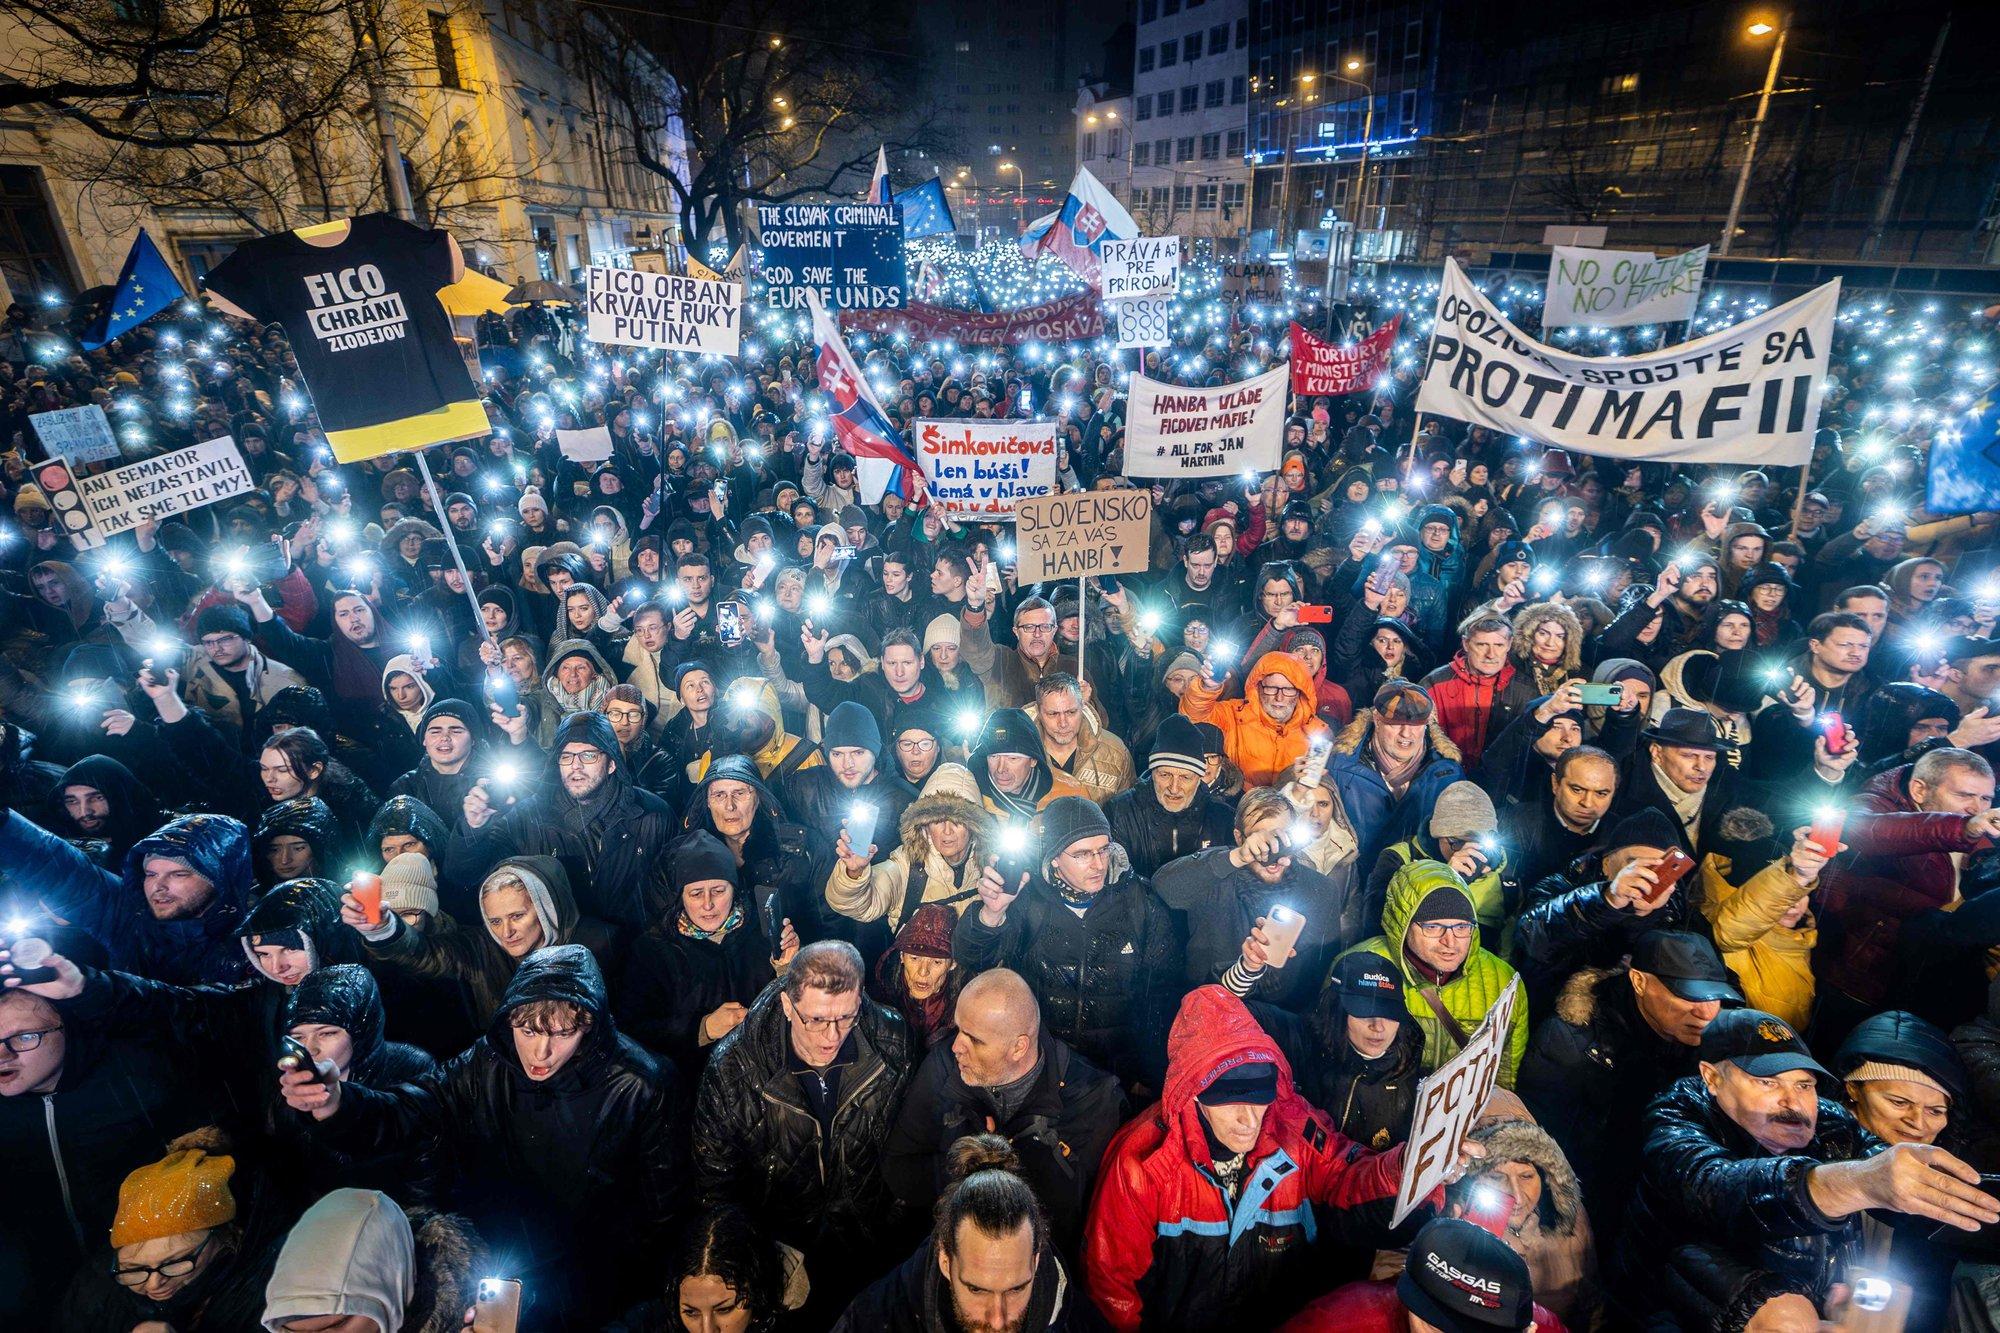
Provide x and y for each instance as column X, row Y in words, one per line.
column 631, row 308
column 1448, row 1100
column 1142, row 266
column 1082, row 532
column 1172, row 431
column 76, row 435
column 1749, row 394
column 1613, row 289
column 124, row 497
column 1143, row 321
column 980, row 469
column 592, row 445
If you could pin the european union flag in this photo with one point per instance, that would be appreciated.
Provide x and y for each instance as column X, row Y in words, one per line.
column 146, row 286
column 1965, row 460
column 926, row 212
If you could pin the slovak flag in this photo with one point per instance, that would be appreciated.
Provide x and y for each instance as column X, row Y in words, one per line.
column 930, row 283
column 878, row 185
column 860, row 426
column 1088, row 216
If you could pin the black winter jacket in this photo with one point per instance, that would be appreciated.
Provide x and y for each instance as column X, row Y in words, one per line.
column 580, row 1177
column 1220, row 902
column 1705, row 1183
column 1107, row 981
column 913, row 1298
column 673, row 981
column 1152, row 835
column 1568, row 925
column 757, row 1143
column 1059, row 1132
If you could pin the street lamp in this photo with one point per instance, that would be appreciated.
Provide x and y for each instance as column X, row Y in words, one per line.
column 1759, row 28
column 1022, row 182
column 1353, row 65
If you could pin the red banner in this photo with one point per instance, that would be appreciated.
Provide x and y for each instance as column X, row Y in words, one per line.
column 1319, row 368
column 1069, row 320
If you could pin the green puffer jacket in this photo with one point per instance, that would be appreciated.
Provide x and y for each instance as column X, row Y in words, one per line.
column 1489, row 891
column 1467, row 996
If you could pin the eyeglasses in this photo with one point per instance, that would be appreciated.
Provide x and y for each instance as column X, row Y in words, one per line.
column 581, row 759
column 1437, row 930
column 23, row 1042
column 820, row 1025
column 1024, row 628
column 1277, row 692
column 625, row 714
column 922, row 746
column 1091, row 854
column 215, row 641
column 137, row 1274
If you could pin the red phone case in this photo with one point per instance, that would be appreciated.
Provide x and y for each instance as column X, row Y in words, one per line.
column 1309, row 614
column 1836, row 733
column 1673, row 868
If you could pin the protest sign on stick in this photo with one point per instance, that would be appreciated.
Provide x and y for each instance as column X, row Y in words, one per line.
column 1142, row 266
column 850, row 254
column 1324, row 368
column 1448, row 1101
column 1612, row 289
column 124, row 497
column 981, row 469
column 1081, row 533
column 631, row 308
column 77, row 435
column 1174, row 431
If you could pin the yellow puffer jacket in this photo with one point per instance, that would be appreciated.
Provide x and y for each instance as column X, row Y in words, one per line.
column 1772, row 962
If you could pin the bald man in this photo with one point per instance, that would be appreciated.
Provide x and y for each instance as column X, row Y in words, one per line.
column 1003, row 1075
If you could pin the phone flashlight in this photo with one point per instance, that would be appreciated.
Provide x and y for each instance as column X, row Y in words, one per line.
column 818, row 604
column 419, row 645
column 506, row 773
column 674, row 594
column 1221, row 652
column 163, row 647
column 968, row 721
column 1149, row 621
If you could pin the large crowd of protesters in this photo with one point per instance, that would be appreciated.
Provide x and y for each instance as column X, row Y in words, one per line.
column 714, row 900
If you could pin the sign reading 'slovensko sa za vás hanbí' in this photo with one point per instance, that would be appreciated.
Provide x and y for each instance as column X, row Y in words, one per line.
column 851, row 254
column 1748, row 394
column 982, row 469
column 1173, row 430
column 1082, row 533
column 627, row 307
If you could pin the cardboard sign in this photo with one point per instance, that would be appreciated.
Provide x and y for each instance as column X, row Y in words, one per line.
column 851, row 254
column 201, row 474
column 1746, row 394
column 1144, row 321
column 1142, row 266
column 1615, row 289
column 1172, row 431
column 1083, row 532
column 630, row 308
column 982, row 469
column 1448, row 1100
column 1252, row 279
column 77, row 435
column 585, row 446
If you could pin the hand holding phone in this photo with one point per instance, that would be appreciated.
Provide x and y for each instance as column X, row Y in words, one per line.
column 294, row 1058
column 1312, row 614
column 1671, row 870
column 498, row 1306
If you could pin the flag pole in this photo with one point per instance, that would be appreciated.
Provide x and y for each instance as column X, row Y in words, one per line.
column 451, row 544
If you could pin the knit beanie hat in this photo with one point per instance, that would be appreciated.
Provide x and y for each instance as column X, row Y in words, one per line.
column 1183, row 661
column 30, row 497
column 682, row 671
column 701, row 856
column 1068, row 820
column 222, row 618
column 852, row 725
column 1463, row 811
column 1444, row 903
column 409, row 884
column 927, row 934
column 1400, row 701
column 530, row 500
column 942, row 629
column 1177, row 744
column 1870, row 1070
column 1648, row 827
column 187, row 1190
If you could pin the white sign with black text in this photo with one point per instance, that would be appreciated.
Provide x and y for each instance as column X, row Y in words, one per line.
column 1143, row 321
column 1142, row 266
column 174, row 483
column 628, row 307
column 1448, row 1101
column 1175, row 431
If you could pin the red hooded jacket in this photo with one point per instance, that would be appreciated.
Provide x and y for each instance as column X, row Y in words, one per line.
column 1472, row 708
column 1164, row 1247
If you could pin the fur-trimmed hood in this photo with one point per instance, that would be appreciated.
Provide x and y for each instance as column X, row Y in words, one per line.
column 1356, row 734
column 1531, row 618
column 1524, row 1141
column 1578, row 1000
column 949, row 793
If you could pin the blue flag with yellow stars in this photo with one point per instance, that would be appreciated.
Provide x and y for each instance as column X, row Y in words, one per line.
column 1965, row 459
column 926, row 212
column 146, row 286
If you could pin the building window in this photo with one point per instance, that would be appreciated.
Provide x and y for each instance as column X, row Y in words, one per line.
column 1242, row 33
column 1167, row 103
column 1183, row 198
column 1234, row 149
column 1170, row 52
column 1145, row 60
column 1232, row 194
column 444, row 50
column 1406, row 108
column 1142, row 154
column 1186, row 150
column 1169, row 7
column 1645, row 155
column 1621, row 83
column 1190, row 99
column 1218, row 39
column 1237, row 93
column 1089, row 144
column 1211, row 147
column 1205, row 197
column 1413, row 39
column 1144, row 109
column 1114, row 143
column 1212, row 93
column 964, row 46
column 1148, row 10
column 1163, row 152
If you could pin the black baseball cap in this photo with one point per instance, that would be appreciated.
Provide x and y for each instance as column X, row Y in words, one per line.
column 1687, row 963
column 1760, row 1044
column 1251, row 1084
column 1464, row 1279
column 1368, row 987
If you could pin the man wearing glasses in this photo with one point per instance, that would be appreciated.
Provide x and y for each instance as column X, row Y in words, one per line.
column 1430, row 931
column 75, row 1127
column 1011, row 674
column 793, row 1114
column 1271, row 726
column 225, row 674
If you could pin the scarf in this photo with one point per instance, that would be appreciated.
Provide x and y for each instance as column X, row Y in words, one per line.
column 1687, row 804
column 1398, row 776
column 1027, row 804
column 590, row 701
column 356, row 675
column 691, row 931
column 1425, row 970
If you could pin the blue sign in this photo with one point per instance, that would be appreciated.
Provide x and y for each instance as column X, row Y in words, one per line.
column 851, row 254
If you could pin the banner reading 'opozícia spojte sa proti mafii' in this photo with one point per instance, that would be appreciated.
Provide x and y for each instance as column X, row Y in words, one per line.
column 630, row 308
column 980, row 469
column 1615, row 289
column 1749, row 394
column 851, row 254
column 1172, row 431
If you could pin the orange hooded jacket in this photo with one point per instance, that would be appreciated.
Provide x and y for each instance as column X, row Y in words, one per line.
column 1261, row 747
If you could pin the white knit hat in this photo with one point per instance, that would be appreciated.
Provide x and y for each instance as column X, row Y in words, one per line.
column 1870, row 1071
column 409, row 883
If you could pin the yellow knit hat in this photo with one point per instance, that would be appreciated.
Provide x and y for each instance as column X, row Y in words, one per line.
column 184, row 1191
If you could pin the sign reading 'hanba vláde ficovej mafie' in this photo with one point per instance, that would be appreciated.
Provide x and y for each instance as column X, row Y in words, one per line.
column 1748, row 394
column 1176, row 431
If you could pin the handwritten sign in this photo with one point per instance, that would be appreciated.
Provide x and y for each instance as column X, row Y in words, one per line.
column 1173, row 431
column 1083, row 532
column 1322, row 368
column 630, row 308
column 1611, row 289
column 1448, row 1101
column 1142, row 266
column 982, row 469
column 77, row 435
column 1143, row 321
column 851, row 254
column 201, row 474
